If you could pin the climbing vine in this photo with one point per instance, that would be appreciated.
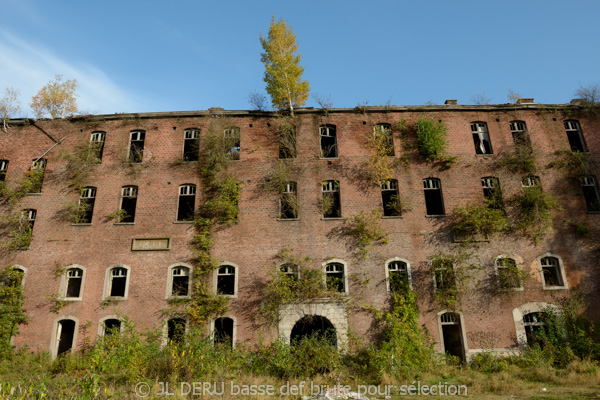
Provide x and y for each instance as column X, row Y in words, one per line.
column 534, row 216
column 365, row 231
column 12, row 313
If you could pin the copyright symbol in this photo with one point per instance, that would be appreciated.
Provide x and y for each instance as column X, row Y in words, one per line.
column 142, row 389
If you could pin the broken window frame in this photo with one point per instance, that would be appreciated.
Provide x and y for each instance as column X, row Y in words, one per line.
column 129, row 196
column 589, row 186
column 290, row 271
column 506, row 282
column 3, row 169
column 532, row 323
column 520, row 135
column 492, row 192
column 397, row 266
column 97, row 140
column 444, row 277
column 333, row 281
column 288, row 201
column 191, row 145
column 58, row 330
column 331, row 194
column 551, row 267
column 226, row 272
column 530, row 181
column 71, row 274
column 221, row 339
column 385, row 129
column 118, row 271
column 180, row 281
column 328, row 140
column 575, row 136
column 429, row 186
column 390, row 198
column 187, row 197
column 232, row 142
column 481, row 138
column 137, row 139
column 87, row 200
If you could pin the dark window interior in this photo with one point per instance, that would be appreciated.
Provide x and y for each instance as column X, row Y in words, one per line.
column 191, row 145
column 224, row 331
column 136, row 148
column 112, row 326
column 434, row 202
column 176, row 329
column 185, row 210
column 74, row 277
column 67, row 333
column 328, row 141
column 226, row 280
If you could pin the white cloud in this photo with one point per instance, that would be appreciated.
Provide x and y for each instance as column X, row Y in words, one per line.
column 27, row 68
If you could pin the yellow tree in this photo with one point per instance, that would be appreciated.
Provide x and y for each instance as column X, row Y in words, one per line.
column 9, row 106
column 57, row 98
column 283, row 72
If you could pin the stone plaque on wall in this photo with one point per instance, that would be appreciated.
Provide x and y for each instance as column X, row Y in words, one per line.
column 151, row 244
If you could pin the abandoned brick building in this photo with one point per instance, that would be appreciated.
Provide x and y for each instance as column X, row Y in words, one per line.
column 119, row 243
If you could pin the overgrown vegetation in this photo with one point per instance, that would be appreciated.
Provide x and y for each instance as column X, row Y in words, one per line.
column 118, row 215
column 286, row 131
column 381, row 164
column 479, row 220
column 16, row 231
column 79, row 163
column 453, row 276
column 519, row 160
column 12, row 313
column 31, row 183
column 534, row 216
column 365, row 231
column 57, row 98
column 431, row 140
column 574, row 163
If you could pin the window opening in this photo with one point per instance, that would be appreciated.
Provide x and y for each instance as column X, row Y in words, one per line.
column 551, row 272
column 112, row 326
column 181, row 281
column 191, row 145
column 136, row 147
column 118, row 282
column 390, row 198
column 332, row 207
column 223, row 334
column 97, row 145
column 328, row 141
column 65, row 336
column 38, row 169
column 3, row 169
column 383, row 132
column 398, row 280
column 434, row 202
column 86, row 205
column 520, row 134
column 288, row 202
column 74, row 281
column 508, row 273
column 176, row 329
column 590, row 193
column 129, row 202
column 492, row 192
column 534, row 325
column 575, row 136
column 452, row 335
column 530, row 181
column 187, row 203
column 232, row 142
column 334, row 277
column 290, row 271
column 481, row 138
column 226, row 280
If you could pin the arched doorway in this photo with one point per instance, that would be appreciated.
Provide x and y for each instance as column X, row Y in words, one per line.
column 314, row 326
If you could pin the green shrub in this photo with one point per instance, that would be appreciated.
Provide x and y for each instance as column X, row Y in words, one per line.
column 535, row 212
column 365, row 231
column 12, row 313
column 574, row 163
column 520, row 160
column 474, row 219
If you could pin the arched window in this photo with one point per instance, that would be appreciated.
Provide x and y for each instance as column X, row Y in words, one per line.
column 223, row 332
column 508, row 273
column 117, row 282
column 331, row 204
column 97, row 140
column 72, row 282
column 187, row 203
column 129, row 196
column 519, row 134
column 191, row 144
column 384, row 139
column 288, row 201
column 481, row 138
column 231, row 137
column 390, row 198
column 65, row 335
column 553, row 272
column 180, row 281
column 226, row 280
column 136, row 146
column 176, row 328
column 398, row 275
column 290, row 271
column 336, row 276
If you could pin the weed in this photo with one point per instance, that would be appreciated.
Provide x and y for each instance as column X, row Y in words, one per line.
column 453, row 276
column 582, row 230
column 520, row 160
column 118, row 215
column 576, row 164
column 474, row 219
column 365, row 231
column 535, row 212
column 12, row 313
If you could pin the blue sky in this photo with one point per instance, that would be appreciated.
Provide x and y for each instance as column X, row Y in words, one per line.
column 142, row 56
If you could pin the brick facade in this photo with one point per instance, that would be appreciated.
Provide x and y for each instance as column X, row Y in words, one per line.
column 253, row 243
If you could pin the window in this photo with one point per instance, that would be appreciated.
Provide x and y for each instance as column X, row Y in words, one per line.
column 187, row 203
column 328, row 141
column 3, row 168
column 111, row 326
column 398, row 276
column 74, row 283
column 223, row 332
column 288, row 202
column 21, row 237
column 509, row 275
column 335, row 277
column 519, row 134
column 331, row 203
column 117, row 283
column 390, row 198
column 226, row 280
column 128, row 203
column 97, row 145
column 36, row 175
column 287, row 140
column 180, row 281
column 452, row 335
column 481, row 138
column 176, row 330
column 191, row 144
column 232, row 142
column 590, row 192
column 534, row 324
column 530, row 181
column 553, row 274
column 136, row 147
column 290, row 271
column 492, row 192
column 86, row 205
column 443, row 275
column 434, row 202
column 383, row 133
column 575, row 136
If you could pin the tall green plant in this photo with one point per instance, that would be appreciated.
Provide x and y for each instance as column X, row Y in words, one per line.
column 12, row 313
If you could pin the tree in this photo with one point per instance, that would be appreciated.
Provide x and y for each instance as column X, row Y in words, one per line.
column 283, row 72
column 56, row 98
column 9, row 105
column 590, row 93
